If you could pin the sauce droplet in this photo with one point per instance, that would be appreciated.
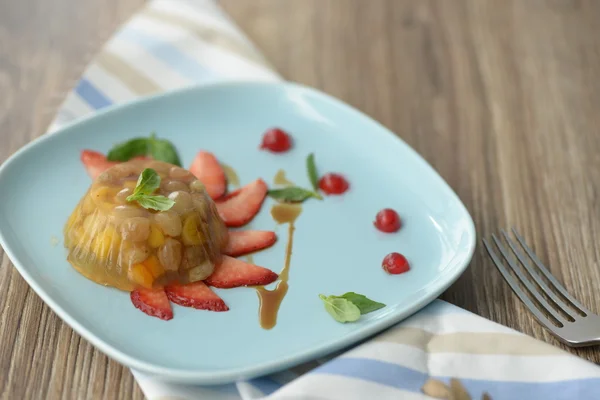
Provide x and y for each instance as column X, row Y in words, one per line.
column 276, row 141
column 333, row 184
column 232, row 176
column 285, row 213
column 395, row 263
column 270, row 300
column 281, row 179
column 387, row 220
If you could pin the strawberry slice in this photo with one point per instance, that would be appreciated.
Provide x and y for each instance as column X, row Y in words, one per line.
column 244, row 242
column 229, row 196
column 207, row 169
column 95, row 163
column 234, row 273
column 153, row 302
column 240, row 209
column 196, row 295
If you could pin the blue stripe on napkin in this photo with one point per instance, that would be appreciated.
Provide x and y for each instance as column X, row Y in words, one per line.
column 92, row 95
column 265, row 385
column 404, row 378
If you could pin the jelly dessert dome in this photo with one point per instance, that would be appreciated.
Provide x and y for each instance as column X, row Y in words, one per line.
column 119, row 243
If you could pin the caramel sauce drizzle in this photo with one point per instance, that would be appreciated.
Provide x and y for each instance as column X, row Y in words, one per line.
column 281, row 179
column 270, row 300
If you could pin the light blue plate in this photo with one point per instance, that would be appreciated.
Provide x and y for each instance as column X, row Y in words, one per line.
column 336, row 247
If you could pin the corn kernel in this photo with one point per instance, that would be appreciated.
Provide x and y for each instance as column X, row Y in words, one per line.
column 156, row 238
column 190, row 234
column 140, row 275
column 153, row 265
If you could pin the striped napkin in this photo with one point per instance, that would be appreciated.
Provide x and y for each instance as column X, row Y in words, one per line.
column 441, row 352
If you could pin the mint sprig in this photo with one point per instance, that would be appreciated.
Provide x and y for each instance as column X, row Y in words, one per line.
column 158, row 149
column 365, row 304
column 146, row 185
column 342, row 310
column 349, row 306
column 296, row 194
column 311, row 169
column 293, row 194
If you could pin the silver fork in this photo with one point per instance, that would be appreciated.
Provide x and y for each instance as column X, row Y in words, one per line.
column 570, row 322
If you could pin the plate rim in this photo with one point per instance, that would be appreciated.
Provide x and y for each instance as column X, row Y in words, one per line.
column 231, row 374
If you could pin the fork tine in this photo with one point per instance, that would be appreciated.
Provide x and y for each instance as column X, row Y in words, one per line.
column 518, row 291
column 543, row 303
column 548, row 275
column 536, row 277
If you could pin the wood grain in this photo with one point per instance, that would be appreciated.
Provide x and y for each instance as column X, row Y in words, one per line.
column 501, row 97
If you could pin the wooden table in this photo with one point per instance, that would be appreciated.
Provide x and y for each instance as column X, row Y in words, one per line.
column 501, row 97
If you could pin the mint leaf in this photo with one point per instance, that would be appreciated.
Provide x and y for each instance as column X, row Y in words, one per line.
column 311, row 168
column 159, row 203
column 159, row 149
column 163, row 150
column 147, row 184
column 349, row 306
column 340, row 309
column 127, row 150
column 365, row 304
column 293, row 194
